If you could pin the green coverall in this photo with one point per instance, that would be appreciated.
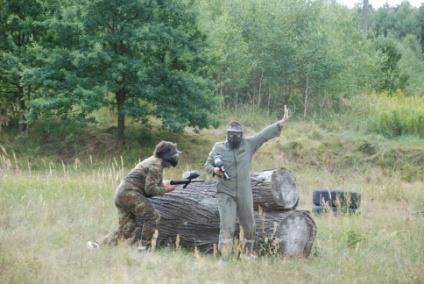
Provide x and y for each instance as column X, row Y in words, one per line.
column 235, row 195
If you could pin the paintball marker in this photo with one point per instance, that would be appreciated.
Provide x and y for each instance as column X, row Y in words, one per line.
column 188, row 177
column 218, row 163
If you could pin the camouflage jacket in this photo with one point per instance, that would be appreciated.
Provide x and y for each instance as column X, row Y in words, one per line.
column 145, row 178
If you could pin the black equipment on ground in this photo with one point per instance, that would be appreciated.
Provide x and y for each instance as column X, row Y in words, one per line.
column 327, row 200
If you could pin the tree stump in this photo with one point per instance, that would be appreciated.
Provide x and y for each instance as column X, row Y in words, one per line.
column 192, row 214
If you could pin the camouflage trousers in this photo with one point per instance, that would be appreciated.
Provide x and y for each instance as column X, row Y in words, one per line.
column 137, row 220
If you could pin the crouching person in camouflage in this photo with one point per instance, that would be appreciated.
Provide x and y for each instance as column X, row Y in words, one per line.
column 137, row 217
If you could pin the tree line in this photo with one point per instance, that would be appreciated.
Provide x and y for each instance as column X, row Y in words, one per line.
column 182, row 61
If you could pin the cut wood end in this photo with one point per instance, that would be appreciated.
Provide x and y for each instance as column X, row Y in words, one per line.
column 296, row 234
column 283, row 187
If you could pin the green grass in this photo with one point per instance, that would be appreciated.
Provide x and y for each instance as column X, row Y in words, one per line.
column 323, row 145
column 391, row 116
column 47, row 216
column 55, row 195
column 397, row 115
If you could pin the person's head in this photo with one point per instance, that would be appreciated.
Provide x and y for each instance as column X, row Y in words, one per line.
column 234, row 134
column 167, row 152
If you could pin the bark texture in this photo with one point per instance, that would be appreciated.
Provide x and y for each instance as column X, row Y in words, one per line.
column 192, row 214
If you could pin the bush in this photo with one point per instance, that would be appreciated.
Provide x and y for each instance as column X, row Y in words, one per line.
column 396, row 115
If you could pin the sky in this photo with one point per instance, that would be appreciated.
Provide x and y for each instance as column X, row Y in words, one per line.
column 379, row 3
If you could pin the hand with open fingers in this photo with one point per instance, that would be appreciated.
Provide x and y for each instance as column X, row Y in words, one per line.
column 168, row 186
column 285, row 116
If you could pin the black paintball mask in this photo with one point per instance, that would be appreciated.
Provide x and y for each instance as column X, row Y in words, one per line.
column 168, row 152
column 234, row 135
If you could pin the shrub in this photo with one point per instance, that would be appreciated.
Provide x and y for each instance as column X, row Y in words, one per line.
column 396, row 115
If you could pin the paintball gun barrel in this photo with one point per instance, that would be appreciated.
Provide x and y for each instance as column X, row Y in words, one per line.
column 218, row 163
column 188, row 177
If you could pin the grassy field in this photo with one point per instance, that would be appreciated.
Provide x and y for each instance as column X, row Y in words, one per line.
column 50, row 209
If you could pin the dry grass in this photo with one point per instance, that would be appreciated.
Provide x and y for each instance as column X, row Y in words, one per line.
column 48, row 215
column 50, row 209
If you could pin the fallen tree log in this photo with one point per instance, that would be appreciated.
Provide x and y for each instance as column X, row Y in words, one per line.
column 192, row 214
column 274, row 190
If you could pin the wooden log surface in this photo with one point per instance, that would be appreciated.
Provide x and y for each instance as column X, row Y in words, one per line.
column 192, row 214
column 274, row 190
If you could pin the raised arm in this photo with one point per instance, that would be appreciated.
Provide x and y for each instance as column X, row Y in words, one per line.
column 270, row 131
column 285, row 117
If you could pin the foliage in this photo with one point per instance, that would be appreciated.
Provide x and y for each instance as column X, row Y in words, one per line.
column 412, row 65
column 391, row 77
column 351, row 140
column 178, row 60
column 139, row 58
column 273, row 53
column 398, row 34
column 398, row 21
column 397, row 115
column 20, row 30
column 153, row 54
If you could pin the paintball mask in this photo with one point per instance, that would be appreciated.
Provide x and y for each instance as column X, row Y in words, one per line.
column 172, row 158
column 168, row 152
column 234, row 134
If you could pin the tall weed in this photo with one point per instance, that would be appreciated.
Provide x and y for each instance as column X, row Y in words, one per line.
column 396, row 115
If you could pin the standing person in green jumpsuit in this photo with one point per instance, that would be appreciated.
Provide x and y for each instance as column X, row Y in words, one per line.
column 234, row 193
